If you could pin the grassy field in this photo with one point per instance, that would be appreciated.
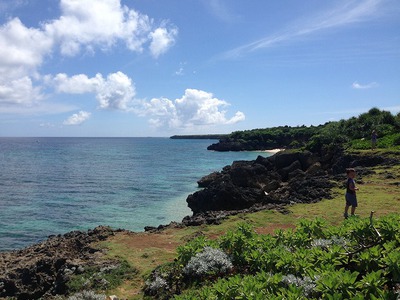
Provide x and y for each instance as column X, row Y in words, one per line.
column 378, row 192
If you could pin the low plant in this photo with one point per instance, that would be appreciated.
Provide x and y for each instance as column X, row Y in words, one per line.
column 357, row 260
column 101, row 277
column 87, row 295
column 209, row 262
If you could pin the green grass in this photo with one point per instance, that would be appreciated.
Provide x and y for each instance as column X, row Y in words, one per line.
column 379, row 192
column 102, row 278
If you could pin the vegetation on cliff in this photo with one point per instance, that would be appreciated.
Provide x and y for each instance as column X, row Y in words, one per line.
column 354, row 133
column 307, row 252
column 357, row 260
column 135, row 256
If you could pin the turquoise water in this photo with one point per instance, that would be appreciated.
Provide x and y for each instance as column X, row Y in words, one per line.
column 55, row 185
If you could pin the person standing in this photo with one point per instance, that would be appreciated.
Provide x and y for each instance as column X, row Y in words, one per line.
column 351, row 197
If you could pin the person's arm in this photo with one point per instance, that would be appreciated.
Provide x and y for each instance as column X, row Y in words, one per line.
column 352, row 186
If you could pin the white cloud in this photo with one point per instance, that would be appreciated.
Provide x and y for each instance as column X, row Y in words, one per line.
column 103, row 23
column 117, row 92
column 78, row 118
column 21, row 51
column 77, row 84
column 82, row 26
column 161, row 40
column 114, row 92
column 181, row 70
column 239, row 116
column 19, row 91
column 350, row 12
column 358, row 86
column 194, row 108
column 98, row 23
column 21, row 47
column 220, row 10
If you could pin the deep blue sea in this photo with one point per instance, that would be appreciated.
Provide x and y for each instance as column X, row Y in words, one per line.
column 56, row 185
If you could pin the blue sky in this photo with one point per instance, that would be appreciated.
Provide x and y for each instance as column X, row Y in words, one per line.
column 158, row 68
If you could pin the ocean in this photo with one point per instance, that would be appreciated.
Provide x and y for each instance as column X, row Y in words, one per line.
column 55, row 185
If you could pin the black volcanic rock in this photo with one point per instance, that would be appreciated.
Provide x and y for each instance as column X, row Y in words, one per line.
column 263, row 181
column 284, row 178
column 43, row 270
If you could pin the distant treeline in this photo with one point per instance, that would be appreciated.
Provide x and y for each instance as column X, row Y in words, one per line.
column 200, row 137
column 353, row 133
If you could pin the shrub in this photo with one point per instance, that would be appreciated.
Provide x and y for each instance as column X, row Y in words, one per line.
column 87, row 295
column 186, row 252
column 97, row 277
column 209, row 262
column 156, row 286
column 306, row 284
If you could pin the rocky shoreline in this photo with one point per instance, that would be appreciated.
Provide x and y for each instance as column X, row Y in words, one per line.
column 288, row 177
column 42, row 270
column 275, row 182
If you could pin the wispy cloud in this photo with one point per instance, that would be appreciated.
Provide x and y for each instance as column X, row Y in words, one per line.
column 359, row 86
column 348, row 13
column 220, row 10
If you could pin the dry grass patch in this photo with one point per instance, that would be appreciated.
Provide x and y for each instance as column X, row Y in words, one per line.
column 379, row 192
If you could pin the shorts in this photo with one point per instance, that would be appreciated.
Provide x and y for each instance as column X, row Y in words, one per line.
column 351, row 200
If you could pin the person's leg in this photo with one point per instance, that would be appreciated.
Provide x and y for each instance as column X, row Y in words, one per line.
column 354, row 206
column 353, row 209
column 346, row 210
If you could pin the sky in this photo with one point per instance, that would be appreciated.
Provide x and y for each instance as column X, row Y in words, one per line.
column 140, row 68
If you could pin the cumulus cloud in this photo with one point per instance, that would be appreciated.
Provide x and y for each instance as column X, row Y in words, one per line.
column 21, row 51
column 77, row 84
column 114, row 92
column 78, row 118
column 161, row 40
column 89, row 26
column 358, row 86
column 194, row 108
column 19, row 91
column 101, row 23
column 22, row 48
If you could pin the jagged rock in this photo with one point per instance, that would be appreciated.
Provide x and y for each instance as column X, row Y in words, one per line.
column 265, row 180
column 284, row 178
column 206, row 180
column 224, row 195
column 284, row 159
column 315, row 169
column 42, row 270
column 284, row 172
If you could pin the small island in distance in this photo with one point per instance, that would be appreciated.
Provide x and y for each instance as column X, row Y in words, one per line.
column 200, row 136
